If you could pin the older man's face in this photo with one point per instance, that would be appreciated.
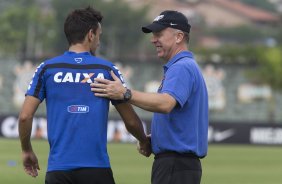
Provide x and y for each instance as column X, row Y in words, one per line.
column 165, row 43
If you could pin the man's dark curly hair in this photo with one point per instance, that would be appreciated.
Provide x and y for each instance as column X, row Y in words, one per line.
column 79, row 22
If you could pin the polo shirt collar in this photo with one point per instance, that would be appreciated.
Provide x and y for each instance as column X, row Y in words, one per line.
column 80, row 53
column 175, row 58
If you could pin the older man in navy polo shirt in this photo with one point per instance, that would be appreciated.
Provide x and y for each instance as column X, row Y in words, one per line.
column 180, row 122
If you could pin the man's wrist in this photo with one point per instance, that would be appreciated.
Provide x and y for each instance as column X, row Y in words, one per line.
column 127, row 95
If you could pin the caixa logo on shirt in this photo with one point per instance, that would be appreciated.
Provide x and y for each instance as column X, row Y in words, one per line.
column 78, row 109
column 61, row 77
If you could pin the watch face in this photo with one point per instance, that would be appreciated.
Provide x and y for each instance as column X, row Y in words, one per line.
column 127, row 94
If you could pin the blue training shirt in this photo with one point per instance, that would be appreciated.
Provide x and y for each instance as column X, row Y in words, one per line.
column 185, row 128
column 76, row 118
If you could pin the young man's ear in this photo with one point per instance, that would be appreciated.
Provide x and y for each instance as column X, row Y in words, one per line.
column 91, row 34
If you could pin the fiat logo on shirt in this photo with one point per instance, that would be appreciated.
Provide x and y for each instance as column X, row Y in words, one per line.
column 78, row 109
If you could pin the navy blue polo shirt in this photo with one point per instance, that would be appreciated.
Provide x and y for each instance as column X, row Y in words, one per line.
column 76, row 118
column 185, row 128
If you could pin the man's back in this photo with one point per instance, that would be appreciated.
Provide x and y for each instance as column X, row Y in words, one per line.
column 76, row 119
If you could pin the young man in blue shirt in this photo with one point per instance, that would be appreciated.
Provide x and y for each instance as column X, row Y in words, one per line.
column 179, row 129
column 76, row 119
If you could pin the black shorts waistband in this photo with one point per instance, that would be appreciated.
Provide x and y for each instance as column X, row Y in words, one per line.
column 175, row 154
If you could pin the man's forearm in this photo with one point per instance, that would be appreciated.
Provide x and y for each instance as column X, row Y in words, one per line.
column 135, row 127
column 25, row 121
column 132, row 122
column 154, row 102
column 25, row 127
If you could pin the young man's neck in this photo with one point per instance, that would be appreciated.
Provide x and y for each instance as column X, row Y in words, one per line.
column 79, row 48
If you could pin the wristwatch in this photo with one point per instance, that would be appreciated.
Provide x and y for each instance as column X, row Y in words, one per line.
column 127, row 95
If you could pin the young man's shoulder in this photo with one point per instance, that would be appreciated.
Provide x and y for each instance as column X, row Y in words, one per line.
column 54, row 60
column 101, row 60
column 90, row 60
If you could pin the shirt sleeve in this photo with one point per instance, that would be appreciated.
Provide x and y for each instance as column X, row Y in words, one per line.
column 178, row 82
column 120, row 76
column 36, row 86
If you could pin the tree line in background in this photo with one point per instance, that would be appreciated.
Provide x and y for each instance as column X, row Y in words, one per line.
column 32, row 30
column 263, row 4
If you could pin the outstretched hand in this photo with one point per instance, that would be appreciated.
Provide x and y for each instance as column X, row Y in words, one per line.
column 107, row 88
column 30, row 163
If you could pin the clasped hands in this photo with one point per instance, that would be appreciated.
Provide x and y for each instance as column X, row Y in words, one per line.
column 145, row 148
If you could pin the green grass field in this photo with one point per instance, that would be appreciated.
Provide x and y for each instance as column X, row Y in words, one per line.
column 225, row 164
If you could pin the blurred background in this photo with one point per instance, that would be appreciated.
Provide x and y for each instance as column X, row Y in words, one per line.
column 237, row 43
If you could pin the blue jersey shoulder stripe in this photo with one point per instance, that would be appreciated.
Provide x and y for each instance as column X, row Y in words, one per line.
column 66, row 65
column 75, row 66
